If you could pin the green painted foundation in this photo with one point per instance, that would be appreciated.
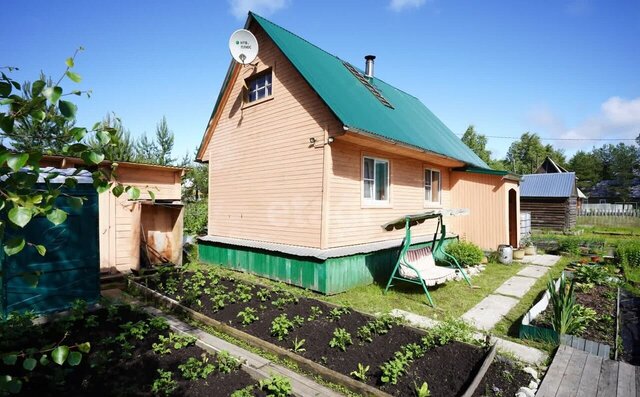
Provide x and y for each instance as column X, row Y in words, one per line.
column 330, row 276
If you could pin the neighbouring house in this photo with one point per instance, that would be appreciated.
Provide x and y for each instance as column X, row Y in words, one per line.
column 143, row 231
column 549, row 166
column 551, row 199
column 309, row 157
column 608, row 192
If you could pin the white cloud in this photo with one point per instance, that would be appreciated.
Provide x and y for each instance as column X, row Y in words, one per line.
column 240, row 8
column 618, row 118
column 401, row 5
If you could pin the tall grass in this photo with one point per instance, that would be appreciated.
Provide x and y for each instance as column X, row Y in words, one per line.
column 563, row 301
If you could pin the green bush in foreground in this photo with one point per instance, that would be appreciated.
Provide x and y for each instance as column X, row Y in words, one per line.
column 195, row 217
column 466, row 253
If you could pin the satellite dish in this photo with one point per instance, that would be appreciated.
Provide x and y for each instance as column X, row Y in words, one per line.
column 243, row 46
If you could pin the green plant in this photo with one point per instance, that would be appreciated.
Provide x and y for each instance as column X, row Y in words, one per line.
column 263, row 294
column 177, row 341
column 297, row 346
column 422, row 390
column 315, row 313
column 284, row 299
column 226, row 363
column 243, row 292
column 584, row 316
column 298, row 320
column 337, row 312
column 508, row 376
column 563, row 303
column 281, row 326
column 365, row 333
column 361, row 372
column 447, row 331
column 194, row 368
column 592, row 274
column 393, row 369
column 245, row 392
column 341, row 338
column 276, row 386
column 159, row 323
column 628, row 253
column 164, row 385
column 248, row 316
column 466, row 253
column 195, row 217
column 138, row 330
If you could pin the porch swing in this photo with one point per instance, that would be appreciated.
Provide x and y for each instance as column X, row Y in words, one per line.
column 417, row 265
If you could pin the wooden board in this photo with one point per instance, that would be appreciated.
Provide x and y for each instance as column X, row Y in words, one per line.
column 590, row 377
column 552, row 379
column 607, row 386
column 573, row 374
column 626, row 380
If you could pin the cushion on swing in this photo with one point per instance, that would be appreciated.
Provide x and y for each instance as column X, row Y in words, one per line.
column 422, row 260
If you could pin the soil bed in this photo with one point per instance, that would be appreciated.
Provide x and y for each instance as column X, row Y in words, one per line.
column 630, row 327
column 110, row 369
column 502, row 380
column 602, row 299
column 447, row 369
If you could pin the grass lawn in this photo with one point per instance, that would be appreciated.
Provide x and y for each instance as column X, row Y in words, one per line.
column 452, row 299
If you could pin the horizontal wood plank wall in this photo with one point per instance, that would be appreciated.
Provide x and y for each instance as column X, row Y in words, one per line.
column 265, row 181
column 548, row 213
column 349, row 223
column 486, row 197
column 165, row 184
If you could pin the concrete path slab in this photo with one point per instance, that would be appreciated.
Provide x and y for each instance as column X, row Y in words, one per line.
column 486, row 314
column 541, row 260
column 533, row 271
column 516, row 286
column 525, row 354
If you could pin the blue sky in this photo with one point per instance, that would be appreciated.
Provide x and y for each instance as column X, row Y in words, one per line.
column 562, row 69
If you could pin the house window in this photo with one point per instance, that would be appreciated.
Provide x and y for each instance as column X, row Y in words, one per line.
column 375, row 178
column 259, row 87
column 432, row 186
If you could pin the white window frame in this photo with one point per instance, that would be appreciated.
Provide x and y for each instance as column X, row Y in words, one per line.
column 372, row 201
column 267, row 87
column 430, row 202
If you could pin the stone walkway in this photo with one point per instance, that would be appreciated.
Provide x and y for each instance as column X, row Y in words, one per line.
column 489, row 311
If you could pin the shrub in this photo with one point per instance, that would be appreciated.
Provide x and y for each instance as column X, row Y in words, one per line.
column 195, row 217
column 466, row 253
column 628, row 253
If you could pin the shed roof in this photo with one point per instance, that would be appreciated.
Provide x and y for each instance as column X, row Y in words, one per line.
column 548, row 185
column 357, row 106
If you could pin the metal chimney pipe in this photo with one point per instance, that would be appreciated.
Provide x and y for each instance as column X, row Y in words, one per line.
column 368, row 66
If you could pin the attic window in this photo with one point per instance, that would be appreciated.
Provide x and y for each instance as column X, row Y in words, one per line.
column 365, row 81
column 259, row 86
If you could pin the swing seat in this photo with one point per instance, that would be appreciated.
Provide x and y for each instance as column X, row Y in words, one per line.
column 423, row 266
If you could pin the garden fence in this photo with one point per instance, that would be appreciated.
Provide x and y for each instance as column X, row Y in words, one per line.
column 629, row 210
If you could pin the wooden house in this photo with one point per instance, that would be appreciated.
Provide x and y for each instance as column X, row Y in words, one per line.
column 309, row 156
column 549, row 166
column 551, row 199
column 132, row 232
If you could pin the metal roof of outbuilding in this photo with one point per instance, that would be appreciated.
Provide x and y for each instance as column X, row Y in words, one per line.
column 548, row 185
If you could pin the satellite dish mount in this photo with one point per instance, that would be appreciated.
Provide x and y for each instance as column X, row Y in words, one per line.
column 243, row 46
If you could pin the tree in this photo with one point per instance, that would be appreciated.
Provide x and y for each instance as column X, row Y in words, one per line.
column 624, row 161
column 146, row 150
column 121, row 147
column 477, row 143
column 195, row 183
column 588, row 168
column 20, row 169
column 526, row 154
column 164, row 139
column 46, row 135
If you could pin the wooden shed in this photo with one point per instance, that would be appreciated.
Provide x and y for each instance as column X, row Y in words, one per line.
column 551, row 199
column 135, row 232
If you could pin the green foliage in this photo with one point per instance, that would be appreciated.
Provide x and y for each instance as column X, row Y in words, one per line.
column 422, row 390
column 195, row 217
column 393, row 369
column 563, row 303
column 465, row 252
column 276, row 386
column 478, row 143
column 315, row 313
column 164, row 384
column 226, row 363
column 173, row 340
column 337, row 312
column 297, row 346
column 361, row 372
column 341, row 338
column 244, row 392
column 628, row 253
column 378, row 326
column 526, row 154
column 248, row 316
column 281, row 326
column 120, row 146
column 194, row 368
column 592, row 274
column 584, row 317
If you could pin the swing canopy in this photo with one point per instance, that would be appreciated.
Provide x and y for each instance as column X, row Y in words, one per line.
column 416, row 219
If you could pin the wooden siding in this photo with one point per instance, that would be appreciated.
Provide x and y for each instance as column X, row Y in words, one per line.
column 351, row 222
column 265, row 179
column 551, row 213
column 487, row 198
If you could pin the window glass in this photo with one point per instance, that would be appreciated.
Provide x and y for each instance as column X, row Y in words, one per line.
column 432, row 186
column 259, row 87
column 375, row 177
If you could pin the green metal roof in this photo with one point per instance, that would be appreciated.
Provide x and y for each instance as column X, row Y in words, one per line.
column 408, row 122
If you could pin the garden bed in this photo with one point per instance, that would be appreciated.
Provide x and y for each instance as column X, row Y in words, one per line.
column 114, row 351
column 337, row 343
